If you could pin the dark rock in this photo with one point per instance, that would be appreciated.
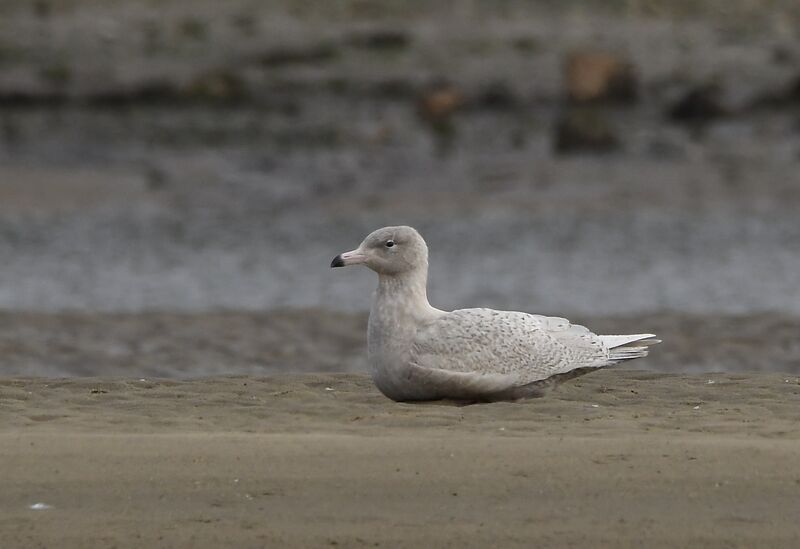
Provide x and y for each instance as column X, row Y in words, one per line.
column 698, row 105
column 32, row 99
column 393, row 88
column 526, row 44
column 584, row 129
column 149, row 92
column 216, row 85
column 381, row 39
column 288, row 56
column 600, row 77
column 497, row 95
column 786, row 96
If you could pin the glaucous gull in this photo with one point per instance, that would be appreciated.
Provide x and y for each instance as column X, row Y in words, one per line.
column 418, row 352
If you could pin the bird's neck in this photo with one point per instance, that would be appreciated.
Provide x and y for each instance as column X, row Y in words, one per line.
column 400, row 306
column 406, row 291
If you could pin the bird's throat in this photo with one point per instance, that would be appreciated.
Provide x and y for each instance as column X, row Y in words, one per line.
column 406, row 291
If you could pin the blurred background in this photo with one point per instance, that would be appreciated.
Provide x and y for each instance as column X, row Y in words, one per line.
column 175, row 175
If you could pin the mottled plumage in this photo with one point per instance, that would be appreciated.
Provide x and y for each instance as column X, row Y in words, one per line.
column 418, row 352
column 529, row 347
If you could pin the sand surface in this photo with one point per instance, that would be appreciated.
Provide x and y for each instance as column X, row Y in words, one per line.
column 614, row 459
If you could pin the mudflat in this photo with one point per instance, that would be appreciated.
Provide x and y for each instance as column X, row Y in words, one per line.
column 617, row 458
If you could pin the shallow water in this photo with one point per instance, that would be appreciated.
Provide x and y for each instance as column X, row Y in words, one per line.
column 220, row 160
column 141, row 209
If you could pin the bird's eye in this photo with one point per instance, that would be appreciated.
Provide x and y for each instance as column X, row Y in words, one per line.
column 389, row 243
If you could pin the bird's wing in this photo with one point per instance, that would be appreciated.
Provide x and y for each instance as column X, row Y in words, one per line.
column 527, row 347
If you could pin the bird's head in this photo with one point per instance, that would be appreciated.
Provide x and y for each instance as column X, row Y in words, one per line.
column 388, row 251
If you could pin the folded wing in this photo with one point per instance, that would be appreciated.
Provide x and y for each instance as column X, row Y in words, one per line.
column 524, row 347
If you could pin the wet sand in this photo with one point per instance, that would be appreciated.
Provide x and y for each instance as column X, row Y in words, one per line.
column 614, row 459
column 188, row 345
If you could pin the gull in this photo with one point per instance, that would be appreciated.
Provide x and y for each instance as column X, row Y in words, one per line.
column 418, row 352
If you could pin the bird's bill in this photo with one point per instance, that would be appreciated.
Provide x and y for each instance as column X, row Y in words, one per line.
column 354, row 257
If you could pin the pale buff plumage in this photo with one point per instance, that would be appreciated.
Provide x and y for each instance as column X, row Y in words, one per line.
column 418, row 352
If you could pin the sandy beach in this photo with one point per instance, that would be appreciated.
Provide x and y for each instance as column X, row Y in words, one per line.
column 180, row 368
column 134, row 433
column 613, row 459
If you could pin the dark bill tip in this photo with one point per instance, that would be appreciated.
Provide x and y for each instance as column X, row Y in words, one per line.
column 337, row 261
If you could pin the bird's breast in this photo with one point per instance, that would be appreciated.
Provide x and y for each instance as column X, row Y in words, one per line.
column 390, row 337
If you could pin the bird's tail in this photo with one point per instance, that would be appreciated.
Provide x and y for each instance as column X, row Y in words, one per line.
column 628, row 347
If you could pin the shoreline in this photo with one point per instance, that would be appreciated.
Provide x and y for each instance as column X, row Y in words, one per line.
column 193, row 345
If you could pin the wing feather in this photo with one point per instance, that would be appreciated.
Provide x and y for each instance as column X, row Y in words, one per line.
column 525, row 347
